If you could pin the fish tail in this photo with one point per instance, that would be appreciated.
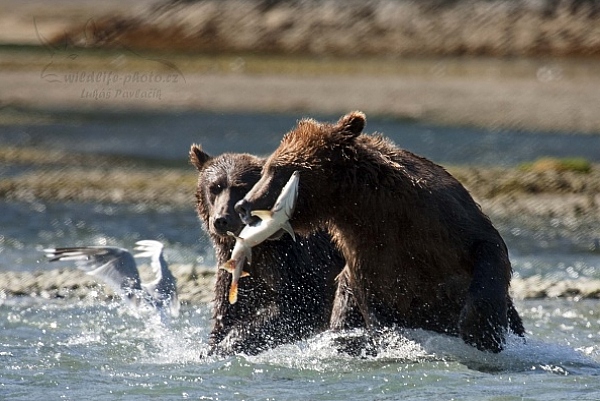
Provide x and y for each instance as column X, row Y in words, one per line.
column 233, row 293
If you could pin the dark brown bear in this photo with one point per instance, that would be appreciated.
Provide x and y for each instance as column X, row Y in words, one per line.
column 420, row 253
column 289, row 293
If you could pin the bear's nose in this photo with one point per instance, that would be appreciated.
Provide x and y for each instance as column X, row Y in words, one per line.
column 221, row 224
column 243, row 208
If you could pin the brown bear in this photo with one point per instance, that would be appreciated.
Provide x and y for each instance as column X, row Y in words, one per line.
column 289, row 293
column 420, row 252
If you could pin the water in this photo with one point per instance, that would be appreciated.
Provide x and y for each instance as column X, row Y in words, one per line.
column 27, row 228
column 168, row 137
column 78, row 350
column 67, row 349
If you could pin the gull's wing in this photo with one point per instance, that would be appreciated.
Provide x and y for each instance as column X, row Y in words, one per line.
column 164, row 288
column 153, row 250
column 115, row 266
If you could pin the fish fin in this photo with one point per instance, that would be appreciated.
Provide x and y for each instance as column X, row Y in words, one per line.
column 288, row 228
column 264, row 215
column 233, row 292
column 228, row 266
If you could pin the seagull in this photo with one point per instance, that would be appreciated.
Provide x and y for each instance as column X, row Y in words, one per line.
column 117, row 268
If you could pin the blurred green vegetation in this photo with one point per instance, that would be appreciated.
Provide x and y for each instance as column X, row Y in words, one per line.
column 574, row 164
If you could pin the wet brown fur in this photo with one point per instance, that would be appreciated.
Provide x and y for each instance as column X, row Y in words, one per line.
column 419, row 251
column 289, row 293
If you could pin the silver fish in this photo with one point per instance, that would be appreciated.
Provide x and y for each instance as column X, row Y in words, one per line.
column 270, row 222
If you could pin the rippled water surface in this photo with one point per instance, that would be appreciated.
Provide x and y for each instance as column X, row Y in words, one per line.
column 168, row 136
column 77, row 350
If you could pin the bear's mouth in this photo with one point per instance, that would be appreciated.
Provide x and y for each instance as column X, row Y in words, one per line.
column 227, row 236
column 237, row 231
column 223, row 232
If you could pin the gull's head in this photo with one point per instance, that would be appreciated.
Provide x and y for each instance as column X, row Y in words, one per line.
column 148, row 248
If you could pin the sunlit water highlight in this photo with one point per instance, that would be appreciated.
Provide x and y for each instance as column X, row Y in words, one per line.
column 87, row 350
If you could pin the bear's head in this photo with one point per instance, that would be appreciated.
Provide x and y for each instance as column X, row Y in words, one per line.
column 223, row 181
column 322, row 153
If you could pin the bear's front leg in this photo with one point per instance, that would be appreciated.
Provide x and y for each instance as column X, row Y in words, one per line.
column 345, row 313
column 351, row 306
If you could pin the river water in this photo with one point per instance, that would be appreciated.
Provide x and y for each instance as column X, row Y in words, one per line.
column 67, row 349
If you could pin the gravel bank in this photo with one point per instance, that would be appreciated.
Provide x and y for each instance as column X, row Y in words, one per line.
column 433, row 93
column 195, row 285
column 542, row 190
column 350, row 27
column 503, row 193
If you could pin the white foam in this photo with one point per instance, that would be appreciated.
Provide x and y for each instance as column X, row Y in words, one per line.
column 321, row 353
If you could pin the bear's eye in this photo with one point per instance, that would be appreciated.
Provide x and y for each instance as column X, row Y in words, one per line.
column 215, row 189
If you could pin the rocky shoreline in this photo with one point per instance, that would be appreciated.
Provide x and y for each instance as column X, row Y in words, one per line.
column 544, row 189
column 195, row 285
column 333, row 27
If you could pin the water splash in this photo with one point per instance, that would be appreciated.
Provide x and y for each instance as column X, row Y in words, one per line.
column 402, row 347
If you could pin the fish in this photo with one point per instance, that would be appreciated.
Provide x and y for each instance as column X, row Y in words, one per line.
column 118, row 269
column 270, row 222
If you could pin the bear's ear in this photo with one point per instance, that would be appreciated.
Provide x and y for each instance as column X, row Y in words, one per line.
column 198, row 157
column 352, row 123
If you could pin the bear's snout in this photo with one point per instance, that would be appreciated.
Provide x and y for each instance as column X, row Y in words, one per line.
column 224, row 223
